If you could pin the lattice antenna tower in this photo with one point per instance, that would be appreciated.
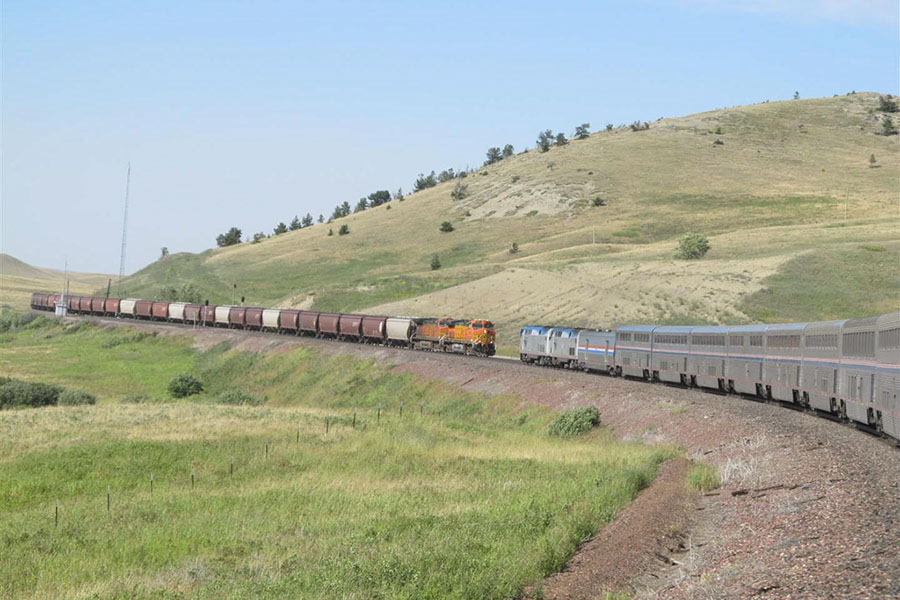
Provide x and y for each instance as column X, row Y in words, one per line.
column 124, row 232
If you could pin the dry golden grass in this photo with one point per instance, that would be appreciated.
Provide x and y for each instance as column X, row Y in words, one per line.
column 19, row 280
column 791, row 179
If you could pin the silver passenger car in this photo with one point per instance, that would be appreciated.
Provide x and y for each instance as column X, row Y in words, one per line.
column 781, row 371
column 746, row 355
column 857, row 371
column 819, row 373
column 887, row 374
column 671, row 350
column 709, row 357
column 633, row 348
column 596, row 350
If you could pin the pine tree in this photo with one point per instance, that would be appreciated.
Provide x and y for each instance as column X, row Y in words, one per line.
column 435, row 263
column 583, row 131
column 280, row 228
column 295, row 224
column 308, row 220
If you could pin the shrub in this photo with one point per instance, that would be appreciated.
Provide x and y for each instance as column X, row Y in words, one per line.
column 15, row 393
column 435, row 263
column 887, row 126
column 515, row 248
column 508, row 150
column 446, row 227
column 598, row 201
column 583, row 131
column 703, row 477
column 238, row 397
column 258, row 237
column 718, row 143
column 460, row 191
column 561, row 139
column 184, row 385
column 887, row 104
column 574, row 422
column 330, row 231
column 76, row 397
column 609, row 126
column 718, row 130
column 692, row 246
column 515, row 178
column 872, row 160
column 344, row 230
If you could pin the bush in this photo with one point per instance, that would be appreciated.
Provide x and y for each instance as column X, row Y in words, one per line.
column 459, row 191
column 15, row 393
column 238, row 397
column 75, row 398
column 887, row 104
column 184, row 385
column 229, row 238
column 574, row 422
column 598, row 201
column 887, row 126
column 435, row 263
column 692, row 246
column 344, row 229
column 446, row 227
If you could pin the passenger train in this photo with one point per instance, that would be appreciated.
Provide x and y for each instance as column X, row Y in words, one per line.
column 849, row 369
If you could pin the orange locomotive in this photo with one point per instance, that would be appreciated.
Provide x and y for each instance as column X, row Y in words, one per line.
column 451, row 335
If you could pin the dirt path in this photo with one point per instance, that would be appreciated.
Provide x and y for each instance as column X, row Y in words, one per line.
column 649, row 528
column 808, row 508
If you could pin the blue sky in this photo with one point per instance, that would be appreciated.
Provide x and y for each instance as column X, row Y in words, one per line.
column 247, row 113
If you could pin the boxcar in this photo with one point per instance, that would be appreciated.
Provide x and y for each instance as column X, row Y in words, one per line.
column 373, row 328
column 671, row 354
column 37, row 301
column 126, row 307
column 111, row 306
column 328, row 325
column 159, row 311
column 176, row 311
column 819, row 369
column 97, row 306
column 236, row 315
column 595, row 350
column 308, row 322
column 633, row 348
column 857, row 370
column 253, row 318
column 887, row 376
column 709, row 356
column 270, row 319
column 562, row 346
column 399, row 330
column 143, row 309
column 533, row 344
column 350, row 327
column 781, row 370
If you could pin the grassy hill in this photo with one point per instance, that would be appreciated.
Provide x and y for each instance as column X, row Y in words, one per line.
column 794, row 212
column 18, row 280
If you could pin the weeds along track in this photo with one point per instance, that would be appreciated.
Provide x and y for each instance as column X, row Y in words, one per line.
column 508, row 362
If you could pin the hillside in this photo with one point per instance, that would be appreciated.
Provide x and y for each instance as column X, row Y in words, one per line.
column 18, row 280
column 788, row 199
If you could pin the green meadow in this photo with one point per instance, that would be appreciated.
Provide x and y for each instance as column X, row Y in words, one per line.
column 329, row 489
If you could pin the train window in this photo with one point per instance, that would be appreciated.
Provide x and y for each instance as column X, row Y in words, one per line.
column 822, row 340
column 784, row 341
column 736, row 340
column 859, row 343
column 625, row 337
column 756, row 340
column 642, row 337
column 889, row 338
column 709, row 340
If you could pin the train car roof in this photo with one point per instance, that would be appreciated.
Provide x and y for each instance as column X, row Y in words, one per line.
column 748, row 329
column 709, row 329
column 786, row 327
column 639, row 328
column 673, row 329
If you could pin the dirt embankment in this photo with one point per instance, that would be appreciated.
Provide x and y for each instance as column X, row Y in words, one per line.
column 808, row 508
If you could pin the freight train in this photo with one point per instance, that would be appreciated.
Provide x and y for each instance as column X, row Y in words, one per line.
column 847, row 369
column 467, row 336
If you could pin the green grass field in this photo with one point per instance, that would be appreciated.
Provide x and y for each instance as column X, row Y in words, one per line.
column 460, row 496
